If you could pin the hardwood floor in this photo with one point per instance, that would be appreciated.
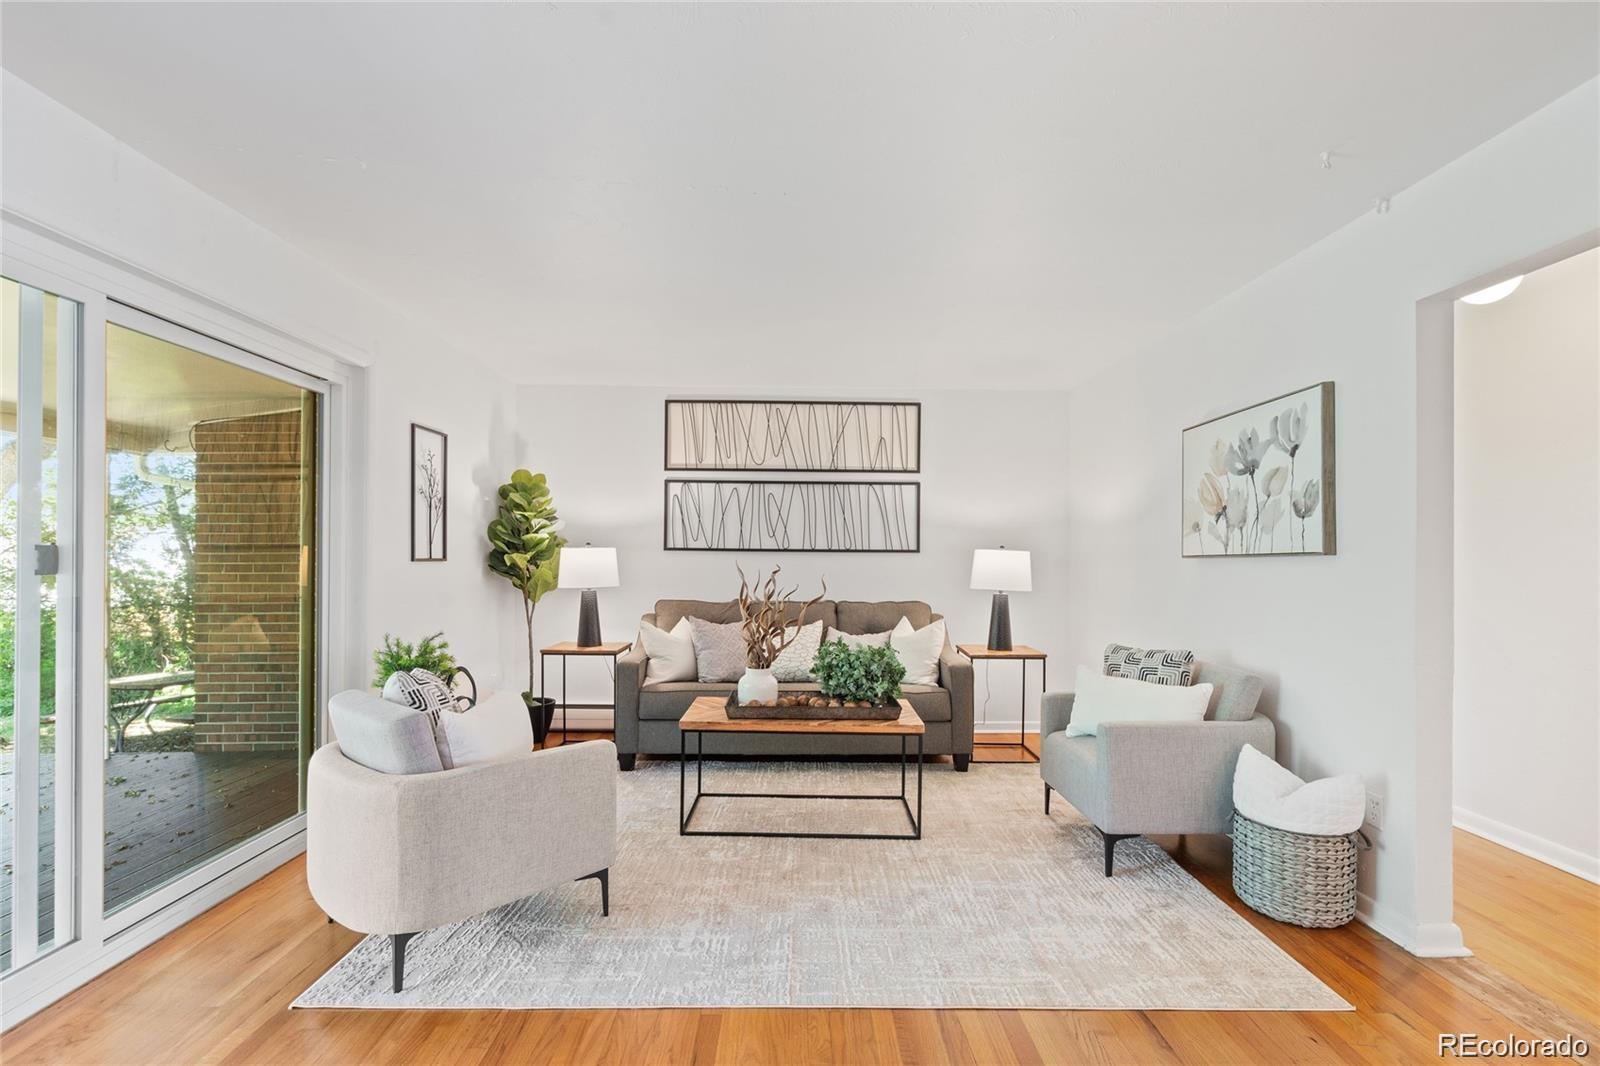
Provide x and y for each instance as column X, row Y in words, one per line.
column 217, row 991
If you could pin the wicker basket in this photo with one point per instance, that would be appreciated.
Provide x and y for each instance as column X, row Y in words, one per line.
column 1299, row 878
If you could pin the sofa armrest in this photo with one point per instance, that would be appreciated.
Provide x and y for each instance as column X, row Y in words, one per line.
column 1055, row 711
column 955, row 674
column 631, row 668
column 399, row 853
column 1174, row 777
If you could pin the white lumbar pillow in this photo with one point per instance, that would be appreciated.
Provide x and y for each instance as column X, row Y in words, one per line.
column 1122, row 699
column 919, row 650
column 670, row 655
column 862, row 640
column 494, row 729
column 1268, row 793
column 794, row 661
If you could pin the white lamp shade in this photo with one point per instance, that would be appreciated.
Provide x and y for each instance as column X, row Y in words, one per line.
column 1002, row 570
column 588, row 568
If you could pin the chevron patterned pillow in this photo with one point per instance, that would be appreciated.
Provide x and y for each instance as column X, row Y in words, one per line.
column 1160, row 666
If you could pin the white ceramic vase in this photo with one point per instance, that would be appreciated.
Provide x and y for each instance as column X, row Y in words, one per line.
column 757, row 685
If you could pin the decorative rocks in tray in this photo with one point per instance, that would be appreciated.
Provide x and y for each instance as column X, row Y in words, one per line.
column 813, row 707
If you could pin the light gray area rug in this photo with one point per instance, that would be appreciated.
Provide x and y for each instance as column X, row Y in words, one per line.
column 997, row 906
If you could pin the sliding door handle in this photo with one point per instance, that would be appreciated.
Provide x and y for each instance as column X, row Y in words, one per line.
column 46, row 560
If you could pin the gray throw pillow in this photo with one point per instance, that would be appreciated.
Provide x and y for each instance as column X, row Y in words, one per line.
column 718, row 650
column 1160, row 666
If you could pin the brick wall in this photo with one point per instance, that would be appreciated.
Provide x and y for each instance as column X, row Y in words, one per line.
column 247, row 584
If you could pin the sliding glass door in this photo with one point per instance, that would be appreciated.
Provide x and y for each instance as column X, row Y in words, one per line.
column 211, row 476
column 39, row 360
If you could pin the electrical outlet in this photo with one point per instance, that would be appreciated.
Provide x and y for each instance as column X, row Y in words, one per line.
column 1374, row 810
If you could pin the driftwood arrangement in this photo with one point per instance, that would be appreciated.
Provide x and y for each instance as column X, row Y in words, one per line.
column 761, row 612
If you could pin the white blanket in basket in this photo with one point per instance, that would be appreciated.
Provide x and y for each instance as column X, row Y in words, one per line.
column 1267, row 793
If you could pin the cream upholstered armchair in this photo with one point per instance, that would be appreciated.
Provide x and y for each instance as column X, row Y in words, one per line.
column 409, row 846
column 1156, row 777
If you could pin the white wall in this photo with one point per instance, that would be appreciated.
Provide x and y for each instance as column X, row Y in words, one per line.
column 991, row 474
column 1337, row 637
column 1527, row 566
column 62, row 174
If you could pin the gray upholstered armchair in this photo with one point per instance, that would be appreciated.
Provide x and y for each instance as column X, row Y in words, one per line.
column 1156, row 777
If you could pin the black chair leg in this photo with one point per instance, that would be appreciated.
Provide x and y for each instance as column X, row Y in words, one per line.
column 1047, row 799
column 399, row 940
column 1111, row 843
column 604, row 877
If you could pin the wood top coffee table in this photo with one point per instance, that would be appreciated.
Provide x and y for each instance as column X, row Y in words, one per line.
column 709, row 714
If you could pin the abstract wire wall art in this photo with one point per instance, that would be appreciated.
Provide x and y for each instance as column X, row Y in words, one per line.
column 796, row 436
column 796, row 516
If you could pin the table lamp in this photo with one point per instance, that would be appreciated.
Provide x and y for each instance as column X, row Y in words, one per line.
column 1003, row 571
column 588, row 568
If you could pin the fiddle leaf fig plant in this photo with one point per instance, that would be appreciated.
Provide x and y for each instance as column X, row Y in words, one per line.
column 525, row 545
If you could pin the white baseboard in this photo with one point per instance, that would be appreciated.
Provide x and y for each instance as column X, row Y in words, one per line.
column 1439, row 940
column 1534, row 847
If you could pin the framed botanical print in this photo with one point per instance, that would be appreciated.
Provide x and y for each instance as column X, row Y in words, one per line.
column 1259, row 481
column 430, row 483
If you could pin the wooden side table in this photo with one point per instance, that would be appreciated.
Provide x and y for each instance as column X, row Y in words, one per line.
column 1018, row 653
column 566, row 650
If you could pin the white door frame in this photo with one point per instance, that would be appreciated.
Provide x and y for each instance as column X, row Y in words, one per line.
column 1437, row 935
column 105, row 286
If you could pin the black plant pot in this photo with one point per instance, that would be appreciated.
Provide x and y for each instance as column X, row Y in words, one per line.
column 541, row 712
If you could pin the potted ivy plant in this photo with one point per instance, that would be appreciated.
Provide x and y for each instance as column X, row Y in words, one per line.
column 525, row 548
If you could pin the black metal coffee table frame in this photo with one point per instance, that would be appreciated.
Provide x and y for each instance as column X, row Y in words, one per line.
column 686, row 807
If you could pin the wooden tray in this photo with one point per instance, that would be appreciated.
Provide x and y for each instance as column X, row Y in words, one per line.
column 884, row 713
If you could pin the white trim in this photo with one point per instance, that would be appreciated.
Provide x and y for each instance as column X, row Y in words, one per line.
column 74, row 969
column 35, row 255
column 1536, row 847
column 1434, row 941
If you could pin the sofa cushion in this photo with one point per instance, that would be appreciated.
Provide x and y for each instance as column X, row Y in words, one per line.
column 718, row 649
column 667, row 700
column 387, row 737
column 1235, row 692
column 497, row 728
column 794, row 661
column 858, row 616
column 669, row 611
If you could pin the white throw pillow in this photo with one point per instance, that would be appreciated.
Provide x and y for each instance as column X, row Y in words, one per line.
column 1120, row 699
column 670, row 655
column 862, row 640
column 495, row 729
column 1268, row 793
column 794, row 661
column 919, row 650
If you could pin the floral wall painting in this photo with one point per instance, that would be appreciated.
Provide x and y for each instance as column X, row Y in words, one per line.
column 1259, row 481
column 430, row 480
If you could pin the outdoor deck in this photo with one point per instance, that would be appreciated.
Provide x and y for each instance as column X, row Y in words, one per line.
column 165, row 811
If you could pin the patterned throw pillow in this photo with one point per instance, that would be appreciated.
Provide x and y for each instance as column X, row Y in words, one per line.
column 1157, row 665
column 794, row 662
column 424, row 691
column 718, row 650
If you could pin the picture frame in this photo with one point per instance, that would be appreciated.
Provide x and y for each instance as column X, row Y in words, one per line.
column 430, row 494
column 1260, row 480
column 785, row 436
column 863, row 517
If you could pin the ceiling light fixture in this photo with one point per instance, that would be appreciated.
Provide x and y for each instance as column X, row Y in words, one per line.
column 1493, row 293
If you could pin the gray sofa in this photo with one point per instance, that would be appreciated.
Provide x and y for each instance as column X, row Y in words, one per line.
column 647, row 715
column 1156, row 777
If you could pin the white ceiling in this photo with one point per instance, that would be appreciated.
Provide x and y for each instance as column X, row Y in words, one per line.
column 827, row 196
